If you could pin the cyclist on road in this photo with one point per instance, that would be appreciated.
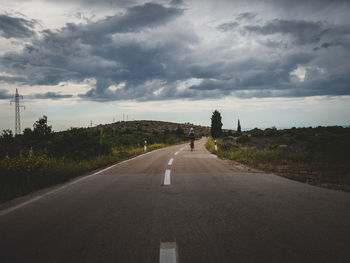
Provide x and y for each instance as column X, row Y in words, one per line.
column 191, row 136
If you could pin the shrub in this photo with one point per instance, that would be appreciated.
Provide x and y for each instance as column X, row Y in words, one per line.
column 243, row 138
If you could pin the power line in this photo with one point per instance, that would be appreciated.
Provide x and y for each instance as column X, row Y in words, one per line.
column 17, row 112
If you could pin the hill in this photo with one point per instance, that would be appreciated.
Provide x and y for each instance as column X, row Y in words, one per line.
column 149, row 127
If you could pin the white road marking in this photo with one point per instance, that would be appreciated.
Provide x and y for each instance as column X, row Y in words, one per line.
column 171, row 161
column 36, row 198
column 167, row 177
column 176, row 153
column 168, row 253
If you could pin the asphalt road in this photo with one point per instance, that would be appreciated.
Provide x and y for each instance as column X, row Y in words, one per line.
column 212, row 211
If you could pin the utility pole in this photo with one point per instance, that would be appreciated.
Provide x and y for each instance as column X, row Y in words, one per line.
column 17, row 112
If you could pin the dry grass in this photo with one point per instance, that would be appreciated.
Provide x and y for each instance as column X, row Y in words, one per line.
column 294, row 165
column 26, row 173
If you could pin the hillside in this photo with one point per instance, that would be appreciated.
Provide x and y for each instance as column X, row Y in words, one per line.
column 149, row 126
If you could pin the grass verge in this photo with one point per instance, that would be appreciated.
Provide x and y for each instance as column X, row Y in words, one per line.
column 294, row 165
column 26, row 173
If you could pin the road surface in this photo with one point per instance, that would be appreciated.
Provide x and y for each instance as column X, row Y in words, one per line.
column 176, row 205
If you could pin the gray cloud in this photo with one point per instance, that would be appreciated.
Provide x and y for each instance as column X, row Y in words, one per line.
column 79, row 52
column 136, row 18
column 227, row 26
column 89, row 3
column 146, row 54
column 309, row 4
column 49, row 95
column 304, row 32
column 13, row 27
column 176, row 2
column 4, row 95
column 301, row 32
column 240, row 18
column 246, row 16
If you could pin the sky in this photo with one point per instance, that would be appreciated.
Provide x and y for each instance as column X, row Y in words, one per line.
column 266, row 62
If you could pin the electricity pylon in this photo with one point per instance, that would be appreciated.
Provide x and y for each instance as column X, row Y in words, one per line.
column 17, row 112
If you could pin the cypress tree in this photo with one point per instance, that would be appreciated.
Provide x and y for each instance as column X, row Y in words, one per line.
column 239, row 131
column 216, row 125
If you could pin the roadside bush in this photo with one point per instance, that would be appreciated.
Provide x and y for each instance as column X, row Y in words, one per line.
column 243, row 138
column 271, row 132
column 228, row 146
column 25, row 173
column 79, row 144
column 256, row 133
column 315, row 155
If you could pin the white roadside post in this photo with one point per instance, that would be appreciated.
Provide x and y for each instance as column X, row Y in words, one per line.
column 216, row 146
column 145, row 147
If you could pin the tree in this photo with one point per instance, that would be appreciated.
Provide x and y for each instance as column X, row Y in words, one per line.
column 6, row 135
column 6, row 143
column 239, row 131
column 41, row 129
column 216, row 124
column 179, row 131
column 27, row 132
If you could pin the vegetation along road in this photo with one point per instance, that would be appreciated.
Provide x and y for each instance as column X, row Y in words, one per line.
column 176, row 205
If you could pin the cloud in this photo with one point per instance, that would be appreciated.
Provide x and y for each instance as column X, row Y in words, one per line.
column 4, row 95
column 246, row 16
column 304, row 32
column 136, row 18
column 176, row 2
column 82, row 51
column 227, row 26
column 13, row 27
column 309, row 4
column 87, row 3
column 158, row 52
column 49, row 95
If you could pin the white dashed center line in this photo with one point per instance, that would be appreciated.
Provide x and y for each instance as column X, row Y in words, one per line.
column 168, row 252
column 167, row 177
column 176, row 153
column 171, row 161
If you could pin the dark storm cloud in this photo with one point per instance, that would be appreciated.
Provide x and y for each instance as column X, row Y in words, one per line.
column 308, row 4
column 246, row 16
column 240, row 18
column 258, row 78
column 83, row 51
column 13, row 27
column 88, row 3
column 321, row 34
column 49, row 95
column 228, row 26
column 304, row 32
column 176, row 2
column 5, row 95
column 136, row 18
column 143, row 54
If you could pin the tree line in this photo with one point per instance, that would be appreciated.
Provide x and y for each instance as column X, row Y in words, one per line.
column 80, row 143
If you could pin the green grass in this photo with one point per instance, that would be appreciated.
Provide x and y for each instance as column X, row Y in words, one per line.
column 25, row 173
column 301, row 165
